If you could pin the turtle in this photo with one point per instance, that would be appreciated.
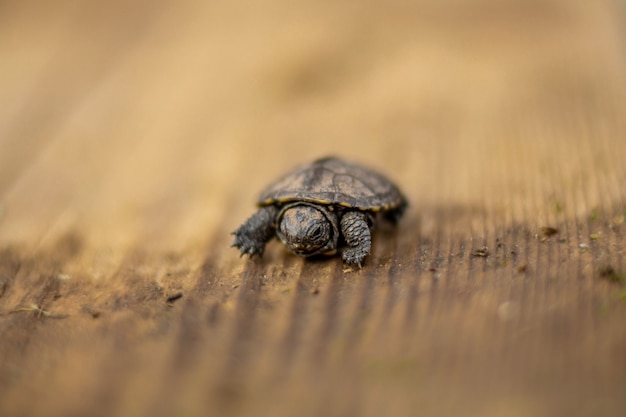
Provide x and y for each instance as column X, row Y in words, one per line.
column 320, row 208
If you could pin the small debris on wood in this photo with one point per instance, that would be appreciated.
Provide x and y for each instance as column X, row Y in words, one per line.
column 608, row 272
column 40, row 312
column 583, row 247
column 522, row 268
column 547, row 232
column 348, row 269
column 481, row 252
column 94, row 313
column 594, row 236
column 315, row 291
column 174, row 297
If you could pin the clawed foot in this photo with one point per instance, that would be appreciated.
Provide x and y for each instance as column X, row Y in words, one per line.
column 354, row 256
column 356, row 231
column 246, row 244
column 252, row 236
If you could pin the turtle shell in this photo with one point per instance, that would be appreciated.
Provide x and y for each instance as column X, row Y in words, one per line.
column 335, row 181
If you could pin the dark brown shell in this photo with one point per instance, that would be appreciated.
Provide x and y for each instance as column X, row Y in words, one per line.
column 335, row 181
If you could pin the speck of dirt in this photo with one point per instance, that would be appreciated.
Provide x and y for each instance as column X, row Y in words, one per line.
column 94, row 313
column 174, row 297
column 480, row 252
column 522, row 268
column 608, row 272
column 594, row 236
column 39, row 312
column 315, row 291
column 547, row 232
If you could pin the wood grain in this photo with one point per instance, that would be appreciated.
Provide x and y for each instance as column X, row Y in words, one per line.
column 134, row 137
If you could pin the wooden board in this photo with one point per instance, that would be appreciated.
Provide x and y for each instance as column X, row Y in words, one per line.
column 134, row 137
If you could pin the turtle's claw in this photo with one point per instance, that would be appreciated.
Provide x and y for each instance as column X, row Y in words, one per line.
column 354, row 256
column 253, row 234
column 247, row 245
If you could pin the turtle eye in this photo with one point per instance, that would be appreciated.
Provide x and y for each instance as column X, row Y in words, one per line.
column 316, row 232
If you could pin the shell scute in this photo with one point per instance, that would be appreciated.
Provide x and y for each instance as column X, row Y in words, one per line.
column 331, row 181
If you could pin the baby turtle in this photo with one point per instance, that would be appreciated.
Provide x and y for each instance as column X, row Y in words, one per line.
column 320, row 207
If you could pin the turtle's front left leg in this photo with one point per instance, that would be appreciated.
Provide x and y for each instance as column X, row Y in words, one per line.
column 252, row 236
column 357, row 234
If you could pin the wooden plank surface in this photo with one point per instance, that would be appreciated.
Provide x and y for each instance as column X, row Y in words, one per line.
column 134, row 136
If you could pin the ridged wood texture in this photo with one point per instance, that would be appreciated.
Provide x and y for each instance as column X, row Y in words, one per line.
column 135, row 136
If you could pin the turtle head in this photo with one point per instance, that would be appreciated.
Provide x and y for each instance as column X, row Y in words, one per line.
column 305, row 230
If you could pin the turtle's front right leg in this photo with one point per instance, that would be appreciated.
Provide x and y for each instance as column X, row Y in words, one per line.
column 252, row 236
column 356, row 232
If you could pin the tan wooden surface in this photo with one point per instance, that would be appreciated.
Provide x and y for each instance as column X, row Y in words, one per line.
column 134, row 136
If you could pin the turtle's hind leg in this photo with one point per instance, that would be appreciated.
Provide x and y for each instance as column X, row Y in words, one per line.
column 251, row 237
column 356, row 232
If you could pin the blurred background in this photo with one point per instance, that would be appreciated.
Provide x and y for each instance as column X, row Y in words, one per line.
column 118, row 112
column 135, row 135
